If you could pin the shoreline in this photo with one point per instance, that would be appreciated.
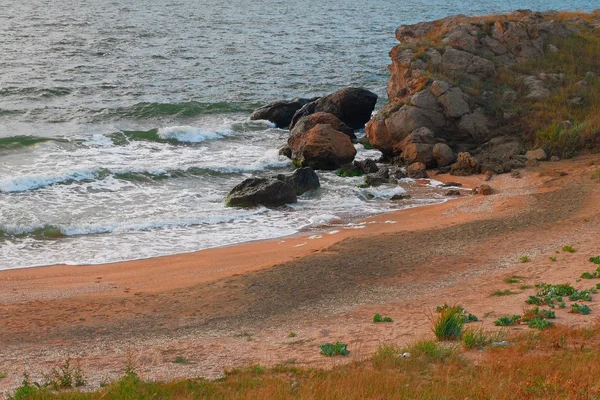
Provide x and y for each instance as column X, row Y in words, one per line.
column 299, row 244
column 303, row 232
column 236, row 305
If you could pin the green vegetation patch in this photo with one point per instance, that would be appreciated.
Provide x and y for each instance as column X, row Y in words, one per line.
column 513, row 279
column 181, row 360
column 506, row 292
column 449, row 323
column 334, row 349
column 378, row 318
column 508, row 321
column 580, row 309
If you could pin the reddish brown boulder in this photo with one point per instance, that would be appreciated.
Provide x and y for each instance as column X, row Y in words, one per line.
column 322, row 147
column 305, row 124
column 484, row 189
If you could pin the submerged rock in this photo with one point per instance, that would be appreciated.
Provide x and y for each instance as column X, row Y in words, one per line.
column 302, row 180
column 253, row 192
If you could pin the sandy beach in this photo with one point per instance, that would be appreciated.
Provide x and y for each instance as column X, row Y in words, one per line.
column 237, row 305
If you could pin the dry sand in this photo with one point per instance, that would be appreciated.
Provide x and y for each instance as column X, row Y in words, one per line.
column 237, row 305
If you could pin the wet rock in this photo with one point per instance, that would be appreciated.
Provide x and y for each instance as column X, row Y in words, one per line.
column 302, row 180
column 417, row 170
column 450, row 184
column 400, row 197
column 350, row 169
column 353, row 106
column 396, row 173
column 280, row 112
column 322, row 147
column 452, row 192
column 367, row 166
column 286, row 151
column 253, row 192
column 378, row 178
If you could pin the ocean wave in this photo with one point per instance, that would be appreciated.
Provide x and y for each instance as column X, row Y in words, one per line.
column 190, row 134
column 35, row 91
column 184, row 109
column 57, row 231
column 172, row 134
column 18, row 142
column 34, row 182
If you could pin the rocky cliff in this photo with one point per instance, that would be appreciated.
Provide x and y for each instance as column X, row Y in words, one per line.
column 492, row 86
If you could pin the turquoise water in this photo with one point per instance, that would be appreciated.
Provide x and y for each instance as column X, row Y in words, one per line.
column 123, row 124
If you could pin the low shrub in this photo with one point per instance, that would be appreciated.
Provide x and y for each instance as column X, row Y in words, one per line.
column 568, row 249
column 580, row 309
column 537, row 312
column 378, row 318
column 539, row 323
column 508, row 321
column 334, row 349
column 524, row 259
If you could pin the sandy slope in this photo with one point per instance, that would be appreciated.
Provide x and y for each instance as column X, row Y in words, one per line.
column 237, row 305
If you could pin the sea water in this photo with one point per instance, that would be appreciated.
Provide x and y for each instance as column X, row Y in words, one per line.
column 124, row 123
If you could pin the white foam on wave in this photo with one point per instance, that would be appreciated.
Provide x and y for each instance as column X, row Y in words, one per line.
column 190, row 134
column 386, row 193
column 32, row 182
column 131, row 226
column 269, row 159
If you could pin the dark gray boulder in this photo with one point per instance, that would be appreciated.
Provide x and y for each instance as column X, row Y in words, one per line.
column 280, row 112
column 381, row 177
column 302, row 180
column 353, row 106
column 259, row 191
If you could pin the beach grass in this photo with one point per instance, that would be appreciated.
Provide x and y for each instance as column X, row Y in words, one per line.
column 426, row 370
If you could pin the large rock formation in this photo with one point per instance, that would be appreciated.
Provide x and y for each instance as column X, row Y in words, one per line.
column 280, row 112
column 448, row 89
column 259, row 191
column 353, row 106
